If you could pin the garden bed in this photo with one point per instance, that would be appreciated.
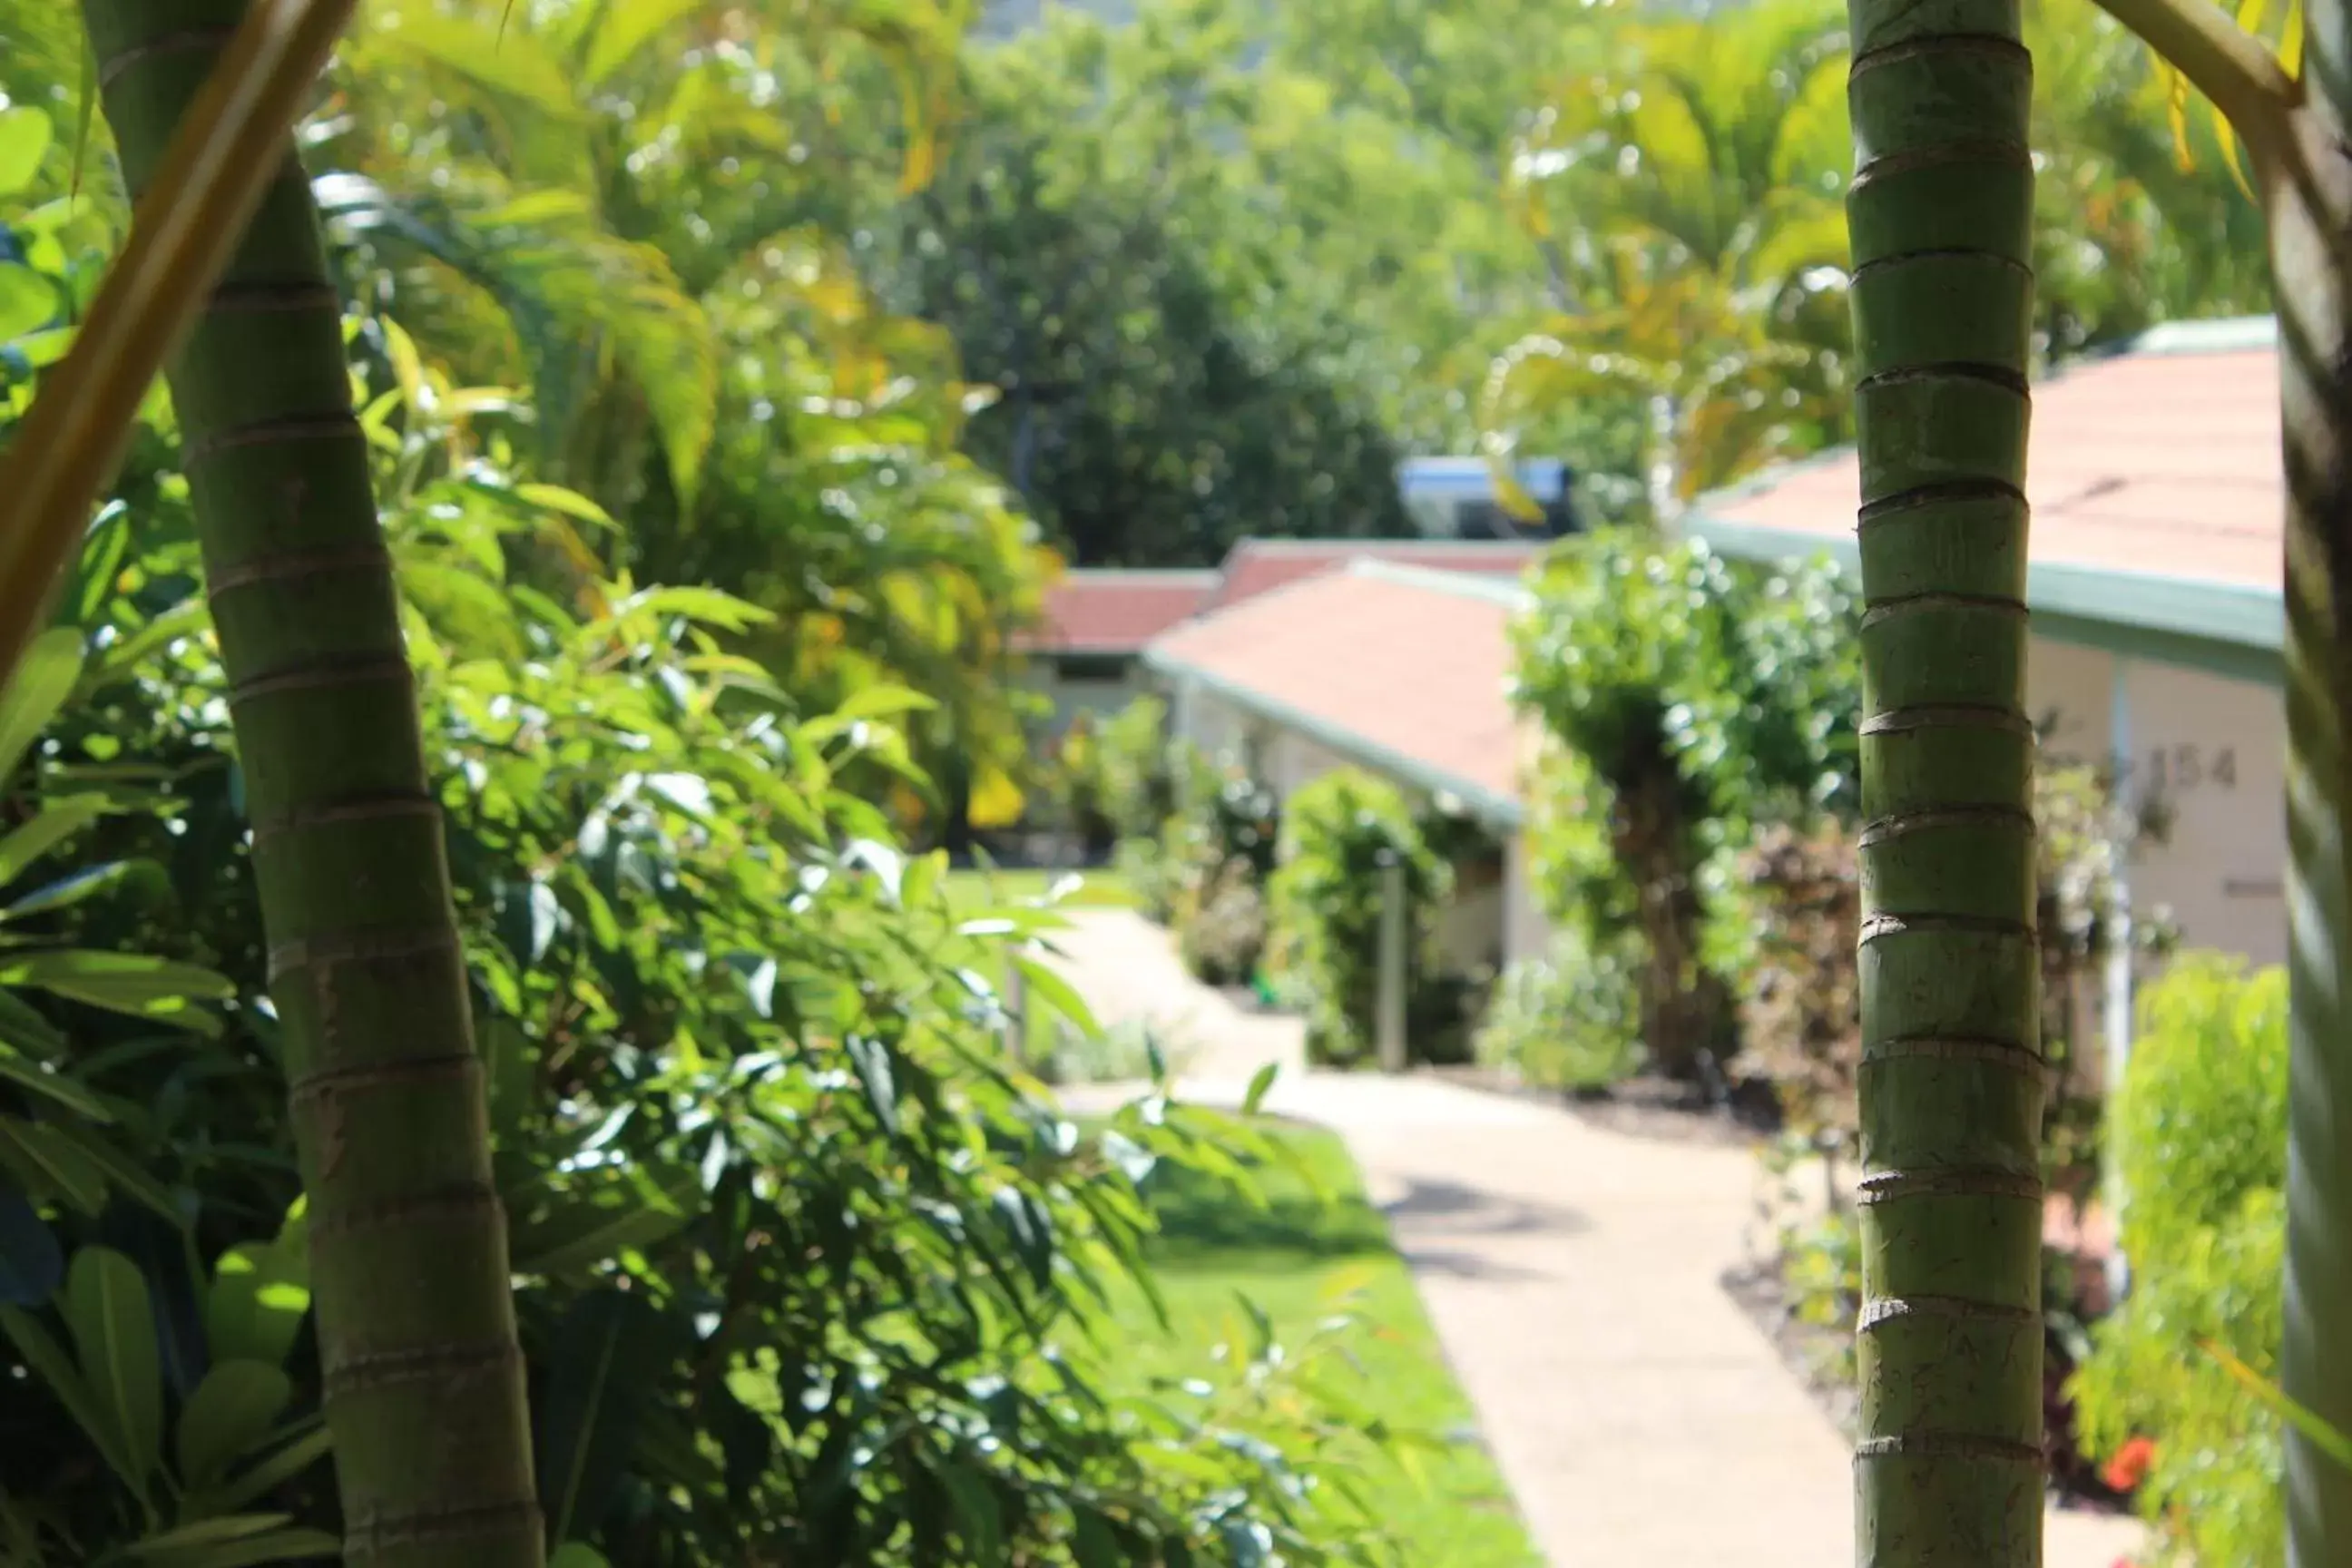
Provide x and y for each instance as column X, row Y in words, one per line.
column 1819, row 1357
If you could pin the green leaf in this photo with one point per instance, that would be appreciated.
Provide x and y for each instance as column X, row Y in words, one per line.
column 275, row 1546
column 877, row 1077
column 49, row 1161
column 49, row 1363
column 206, row 1532
column 883, row 701
column 113, row 1324
column 509, row 1074
column 1031, row 1226
column 229, row 1415
column 56, row 822
column 593, row 1225
column 40, row 685
column 577, row 1554
column 69, row 891
column 21, row 1025
column 707, row 606
column 27, row 303
column 130, row 982
column 2317, row 1432
column 25, row 137
column 1260, row 1082
column 1047, row 981
column 1097, row 1545
column 627, row 26
column 258, row 1296
column 126, row 1176
column 282, row 1465
column 51, row 1086
column 979, row 1518
column 610, row 1357
column 571, row 503
column 117, row 659
column 512, row 64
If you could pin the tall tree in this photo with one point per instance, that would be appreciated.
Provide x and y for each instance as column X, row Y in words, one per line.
column 2291, row 110
column 1949, row 1461
column 423, row 1382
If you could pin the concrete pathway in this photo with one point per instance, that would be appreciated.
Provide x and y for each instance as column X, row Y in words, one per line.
column 1571, row 1274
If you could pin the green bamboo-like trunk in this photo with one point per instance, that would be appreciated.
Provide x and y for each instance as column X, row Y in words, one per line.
column 2308, row 202
column 1949, row 1469
column 425, row 1388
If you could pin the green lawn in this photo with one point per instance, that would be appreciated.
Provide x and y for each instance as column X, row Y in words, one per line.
column 1289, row 1259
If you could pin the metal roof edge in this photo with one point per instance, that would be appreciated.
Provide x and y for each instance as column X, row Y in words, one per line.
column 1510, row 592
column 1285, row 545
column 2232, row 613
column 1496, row 811
column 2215, row 335
column 1146, row 577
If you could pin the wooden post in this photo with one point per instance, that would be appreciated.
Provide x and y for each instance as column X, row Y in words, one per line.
column 1388, row 1009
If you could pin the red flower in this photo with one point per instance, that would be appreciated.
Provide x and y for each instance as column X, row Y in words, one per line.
column 2130, row 1465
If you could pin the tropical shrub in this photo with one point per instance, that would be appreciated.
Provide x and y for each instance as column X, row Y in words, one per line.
column 1567, row 1019
column 1115, row 782
column 1800, row 1000
column 806, row 1270
column 2198, row 1126
column 1221, row 925
column 1138, row 764
column 1340, row 834
column 1682, row 700
column 1075, row 781
column 1210, row 869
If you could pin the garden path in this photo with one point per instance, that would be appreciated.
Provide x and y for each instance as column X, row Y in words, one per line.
column 1573, row 1275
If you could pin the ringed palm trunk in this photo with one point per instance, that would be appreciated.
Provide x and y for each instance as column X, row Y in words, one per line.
column 424, row 1384
column 2309, row 208
column 2296, row 128
column 1948, row 1468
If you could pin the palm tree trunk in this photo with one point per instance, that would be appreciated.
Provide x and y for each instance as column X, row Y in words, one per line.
column 2309, row 203
column 1949, row 1469
column 424, row 1389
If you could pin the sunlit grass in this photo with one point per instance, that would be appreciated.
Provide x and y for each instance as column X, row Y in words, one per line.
column 1287, row 1259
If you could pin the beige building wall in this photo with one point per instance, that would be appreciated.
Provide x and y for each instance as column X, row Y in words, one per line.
column 1289, row 761
column 2211, row 753
column 2208, row 752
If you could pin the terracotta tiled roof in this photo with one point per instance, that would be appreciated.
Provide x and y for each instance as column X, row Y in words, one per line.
column 2163, row 463
column 1404, row 670
column 1103, row 610
column 1257, row 566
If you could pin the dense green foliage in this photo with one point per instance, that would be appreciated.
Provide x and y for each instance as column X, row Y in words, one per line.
column 1339, row 835
column 1682, row 699
column 2199, row 1128
column 1146, row 416
column 805, row 1265
column 1571, row 1019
